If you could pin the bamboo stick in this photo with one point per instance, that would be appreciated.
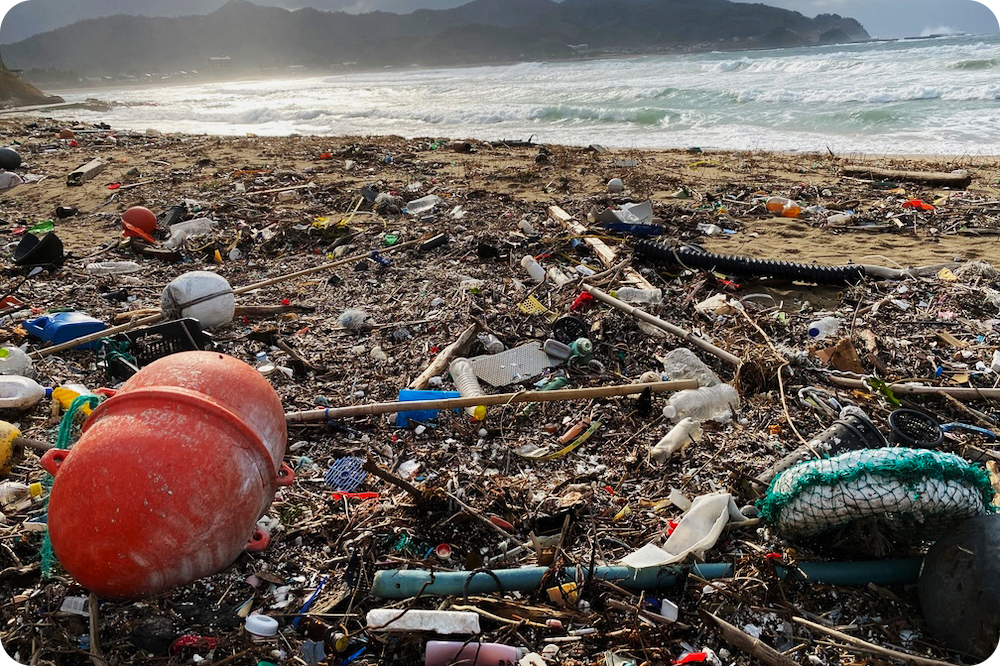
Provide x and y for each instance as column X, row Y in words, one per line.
column 323, row 267
column 69, row 344
column 870, row 647
column 687, row 336
column 442, row 360
column 498, row 399
column 153, row 319
column 922, row 389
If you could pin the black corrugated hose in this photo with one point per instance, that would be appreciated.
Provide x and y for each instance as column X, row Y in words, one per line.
column 692, row 257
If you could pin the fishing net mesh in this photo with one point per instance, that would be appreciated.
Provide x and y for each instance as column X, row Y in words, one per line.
column 914, row 492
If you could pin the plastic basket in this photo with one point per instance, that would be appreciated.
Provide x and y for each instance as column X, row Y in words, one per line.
column 147, row 344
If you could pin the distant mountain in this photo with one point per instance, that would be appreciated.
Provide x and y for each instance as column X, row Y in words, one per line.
column 244, row 37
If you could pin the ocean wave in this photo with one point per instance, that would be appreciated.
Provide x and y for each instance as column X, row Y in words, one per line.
column 835, row 96
column 987, row 63
column 786, row 65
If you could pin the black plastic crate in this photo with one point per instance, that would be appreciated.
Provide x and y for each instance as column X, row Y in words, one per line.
column 125, row 353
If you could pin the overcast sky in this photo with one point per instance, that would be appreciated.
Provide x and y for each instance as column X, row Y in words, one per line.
column 882, row 18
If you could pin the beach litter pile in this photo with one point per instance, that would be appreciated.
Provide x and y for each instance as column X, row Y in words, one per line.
column 375, row 400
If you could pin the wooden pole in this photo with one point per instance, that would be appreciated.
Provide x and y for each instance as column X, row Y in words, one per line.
column 498, row 399
column 687, row 336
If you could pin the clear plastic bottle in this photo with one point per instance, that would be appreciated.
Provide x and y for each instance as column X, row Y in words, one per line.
column 535, row 270
column 558, row 277
column 20, row 393
column 706, row 403
column 13, row 361
column 13, row 492
column 443, row 653
column 783, row 206
column 113, row 267
column 181, row 231
column 491, row 343
column 423, row 204
column 468, row 385
column 680, row 435
column 823, row 328
column 681, row 363
column 637, row 295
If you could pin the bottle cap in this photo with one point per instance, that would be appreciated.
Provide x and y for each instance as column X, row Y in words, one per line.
column 261, row 626
column 669, row 411
column 35, row 490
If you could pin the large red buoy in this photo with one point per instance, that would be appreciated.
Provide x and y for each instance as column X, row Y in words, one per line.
column 169, row 477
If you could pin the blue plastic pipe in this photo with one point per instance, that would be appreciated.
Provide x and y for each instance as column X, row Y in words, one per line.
column 404, row 584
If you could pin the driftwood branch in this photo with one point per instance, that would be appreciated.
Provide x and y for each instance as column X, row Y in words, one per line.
column 745, row 642
column 961, row 180
column 441, row 361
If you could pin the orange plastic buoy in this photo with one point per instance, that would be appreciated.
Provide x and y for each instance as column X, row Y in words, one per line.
column 169, row 477
column 139, row 221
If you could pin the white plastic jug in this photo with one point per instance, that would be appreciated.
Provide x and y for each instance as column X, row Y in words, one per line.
column 20, row 393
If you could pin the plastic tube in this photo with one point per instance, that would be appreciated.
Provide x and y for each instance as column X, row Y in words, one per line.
column 468, row 385
column 403, row 584
column 738, row 265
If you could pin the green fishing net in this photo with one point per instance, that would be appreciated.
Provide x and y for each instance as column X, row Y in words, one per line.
column 915, row 491
column 66, row 430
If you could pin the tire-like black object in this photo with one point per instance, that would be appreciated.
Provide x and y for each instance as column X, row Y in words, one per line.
column 690, row 257
column 959, row 587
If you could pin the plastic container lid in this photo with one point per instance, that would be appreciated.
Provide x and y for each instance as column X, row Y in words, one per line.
column 261, row 625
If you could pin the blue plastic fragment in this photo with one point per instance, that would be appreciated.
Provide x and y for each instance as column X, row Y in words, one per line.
column 635, row 229
column 346, row 474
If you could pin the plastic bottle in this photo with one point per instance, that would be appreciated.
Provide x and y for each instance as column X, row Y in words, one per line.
column 637, row 295
column 680, row 435
column 534, row 269
column 824, row 327
column 706, row 403
column 181, row 231
column 13, row 492
column 839, row 219
column 113, row 267
column 783, row 206
column 443, row 653
column 681, row 363
column 468, row 385
column 423, row 204
column 558, row 277
column 13, row 361
column 491, row 343
column 21, row 393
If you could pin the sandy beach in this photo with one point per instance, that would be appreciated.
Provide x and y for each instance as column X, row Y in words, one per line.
column 287, row 203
